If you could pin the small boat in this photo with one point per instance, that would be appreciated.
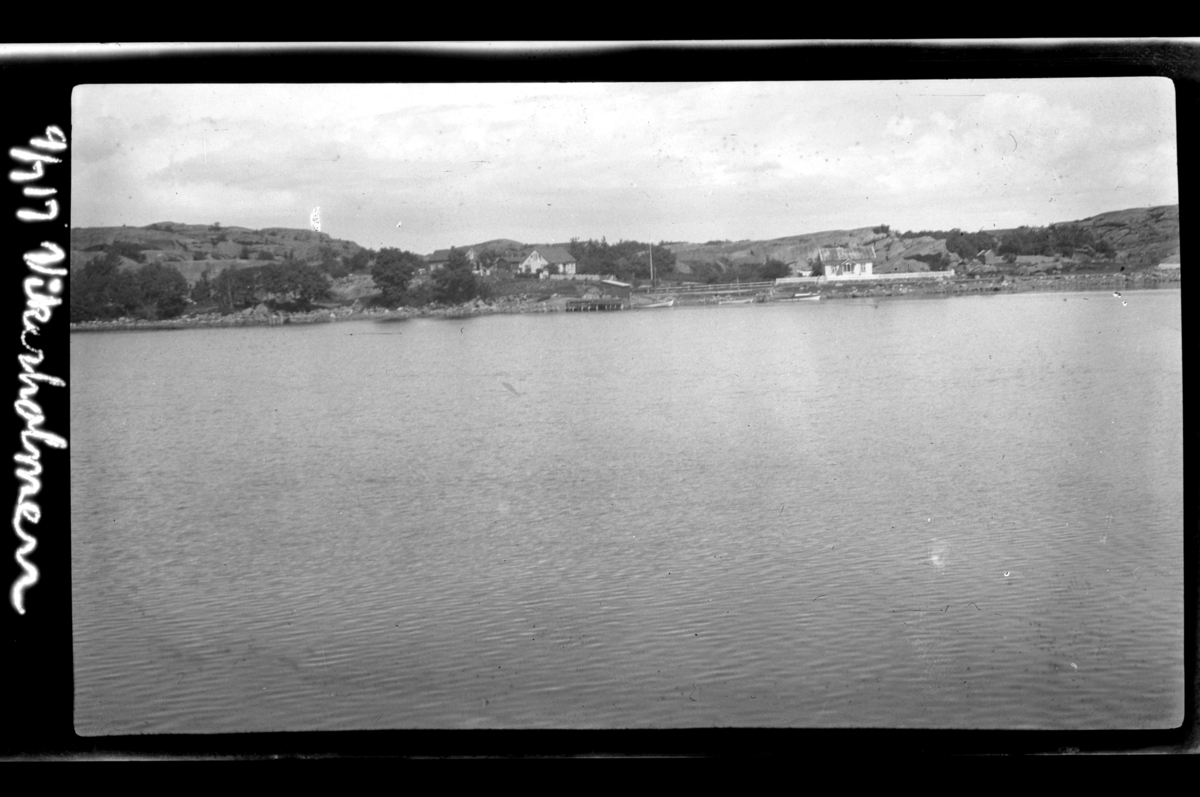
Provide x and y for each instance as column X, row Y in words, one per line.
column 668, row 303
column 736, row 301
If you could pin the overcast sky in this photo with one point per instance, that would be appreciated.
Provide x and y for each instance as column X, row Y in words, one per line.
column 462, row 163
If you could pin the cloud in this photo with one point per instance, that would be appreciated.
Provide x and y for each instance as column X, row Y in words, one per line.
column 901, row 126
column 554, row 160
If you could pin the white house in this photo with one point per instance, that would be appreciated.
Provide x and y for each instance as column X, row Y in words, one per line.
column 841, row 262
column 554, row 259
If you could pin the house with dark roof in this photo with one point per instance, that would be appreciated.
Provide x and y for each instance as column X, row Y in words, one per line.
column 440, row 257
column 552, row 259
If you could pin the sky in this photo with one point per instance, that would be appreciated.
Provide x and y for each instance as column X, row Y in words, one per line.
column 428, row 166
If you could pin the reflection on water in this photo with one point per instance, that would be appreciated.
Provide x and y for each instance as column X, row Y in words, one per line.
column 951, row 513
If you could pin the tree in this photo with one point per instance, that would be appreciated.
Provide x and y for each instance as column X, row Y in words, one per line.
column 202, row 291
column 773, row 269
column 162, row 290
column 357, row 263
column 171, row 306
column 235, row 287
column 306, row 283
column 103, row 290
column 90, row 291
column 454, row 283
column 818, row 268
column 330, row 263
column 393, row 271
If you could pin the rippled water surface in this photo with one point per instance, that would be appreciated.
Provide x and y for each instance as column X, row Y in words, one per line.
column 956, row 512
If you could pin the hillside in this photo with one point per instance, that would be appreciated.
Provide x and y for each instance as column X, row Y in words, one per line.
column 1141, row 237
column 1138, row 237
column 894, row 254
column 195, row 248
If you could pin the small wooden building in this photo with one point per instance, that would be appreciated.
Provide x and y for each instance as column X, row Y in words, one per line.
column 846, row 261
column 616, row 290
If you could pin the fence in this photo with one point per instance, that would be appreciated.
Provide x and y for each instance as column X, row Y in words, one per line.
column 728, row 287
column 578, row 277
column 899, row 276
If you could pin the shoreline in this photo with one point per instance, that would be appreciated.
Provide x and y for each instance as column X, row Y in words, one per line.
column 1138, row 280
column 959, row 286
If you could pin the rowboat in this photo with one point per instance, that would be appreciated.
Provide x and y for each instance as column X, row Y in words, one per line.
column 667, row 303
column 736, row 301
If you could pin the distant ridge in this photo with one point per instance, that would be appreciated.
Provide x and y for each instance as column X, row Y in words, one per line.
column 1141, row 235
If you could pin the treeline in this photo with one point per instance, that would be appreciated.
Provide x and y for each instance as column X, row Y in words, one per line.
column 1047, row 241
column 1053, row 240
column 625, row 260
column 287, row 284
column 394, row 271
column 725, row 270
column 101, row 290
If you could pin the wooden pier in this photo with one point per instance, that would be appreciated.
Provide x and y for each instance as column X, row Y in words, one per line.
column 592, row 305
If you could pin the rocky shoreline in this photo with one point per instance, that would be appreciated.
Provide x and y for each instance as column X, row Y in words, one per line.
column 261, row 316
column 1137, row 280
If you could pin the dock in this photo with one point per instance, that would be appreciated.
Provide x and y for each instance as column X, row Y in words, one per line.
column 592, row 305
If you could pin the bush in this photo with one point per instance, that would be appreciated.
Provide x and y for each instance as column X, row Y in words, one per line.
column 392, row 273
column 419, row 294
column 172, row 307
column 773, row 269
column 103, row 290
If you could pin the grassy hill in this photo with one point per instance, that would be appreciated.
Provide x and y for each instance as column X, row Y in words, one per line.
column 195, row 248
column 1141, row 238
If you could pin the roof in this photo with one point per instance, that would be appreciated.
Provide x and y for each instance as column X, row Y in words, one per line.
column 444, row 254
column 840, row 254
column 554, row 254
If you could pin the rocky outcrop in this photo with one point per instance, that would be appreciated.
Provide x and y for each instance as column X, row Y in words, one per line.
column 193, row 248
column 1143, row 237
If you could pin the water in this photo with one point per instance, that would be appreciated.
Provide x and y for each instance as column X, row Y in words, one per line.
column 955, row 513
